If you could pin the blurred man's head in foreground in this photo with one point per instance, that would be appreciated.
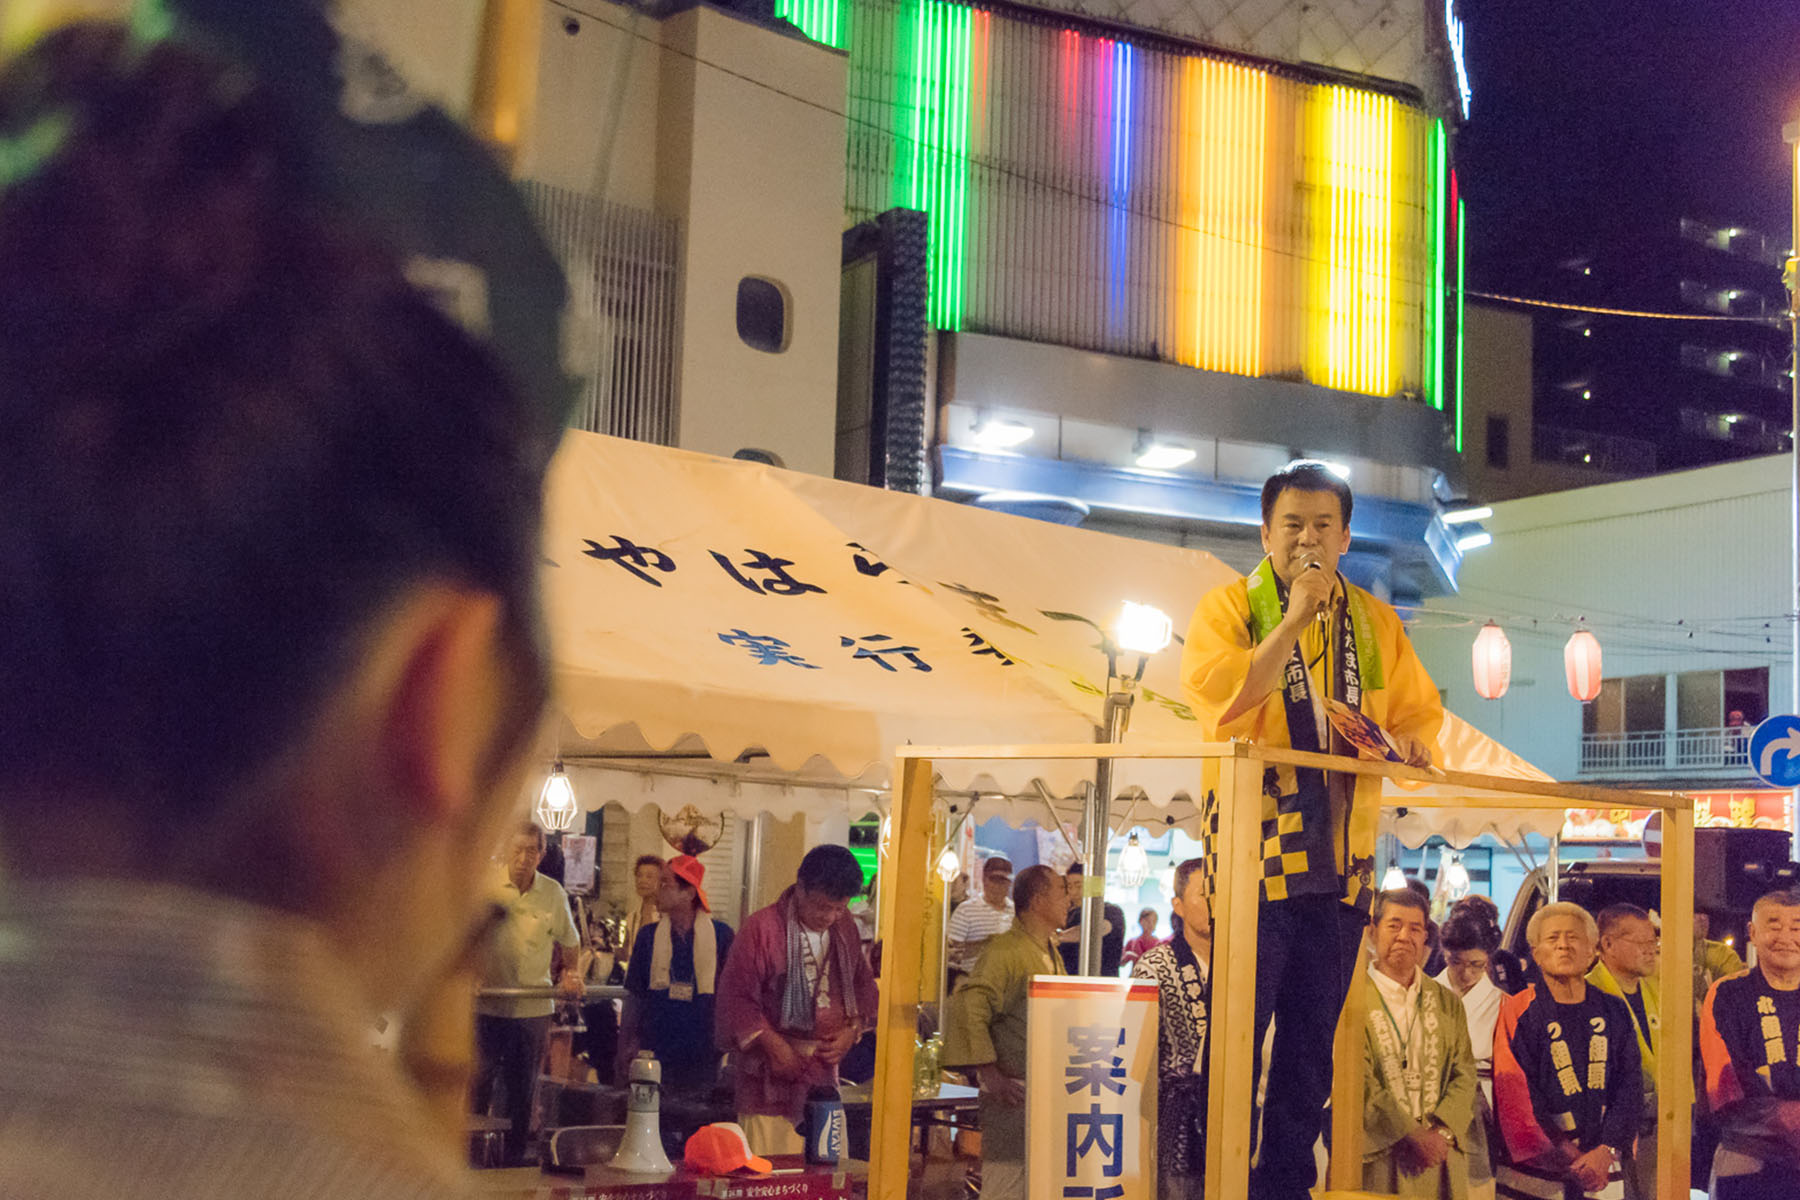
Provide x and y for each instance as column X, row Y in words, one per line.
column 269, row 626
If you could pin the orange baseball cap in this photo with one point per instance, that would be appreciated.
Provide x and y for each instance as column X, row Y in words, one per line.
column 720, row 1149
column 692, row 871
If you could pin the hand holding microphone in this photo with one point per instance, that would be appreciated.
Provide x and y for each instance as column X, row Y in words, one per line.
column 1310, row 594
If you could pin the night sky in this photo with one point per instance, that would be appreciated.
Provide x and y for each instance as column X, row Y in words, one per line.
column 1589, row 115
column 1595, row 127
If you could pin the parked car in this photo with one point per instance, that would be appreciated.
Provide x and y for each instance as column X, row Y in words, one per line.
column 1732, row 867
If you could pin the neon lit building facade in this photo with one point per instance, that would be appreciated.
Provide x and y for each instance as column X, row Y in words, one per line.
column 1119, row 191
column 1146, row 201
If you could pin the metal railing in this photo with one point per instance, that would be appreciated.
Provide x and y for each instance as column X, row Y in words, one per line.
column 623, row 269
column 593, row 991
column 1725, row 750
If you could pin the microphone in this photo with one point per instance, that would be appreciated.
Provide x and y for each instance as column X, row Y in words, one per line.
column 1311, row 563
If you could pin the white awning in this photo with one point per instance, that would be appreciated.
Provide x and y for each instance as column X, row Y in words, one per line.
column 762, row 639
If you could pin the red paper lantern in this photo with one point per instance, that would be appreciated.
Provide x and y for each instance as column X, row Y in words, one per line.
column 1493, row 662
column 1581, row 663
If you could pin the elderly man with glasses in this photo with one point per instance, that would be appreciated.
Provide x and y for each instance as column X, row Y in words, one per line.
column 1627, row 969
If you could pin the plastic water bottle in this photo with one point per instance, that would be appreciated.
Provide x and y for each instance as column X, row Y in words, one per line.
column 824, row 1126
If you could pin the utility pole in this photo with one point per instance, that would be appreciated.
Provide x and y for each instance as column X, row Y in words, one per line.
column 1791, row 276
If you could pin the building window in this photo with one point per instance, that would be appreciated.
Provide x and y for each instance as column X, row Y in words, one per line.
column 1499, row 443
column 1632, row 705
column 1746, row 692
column 762, row 314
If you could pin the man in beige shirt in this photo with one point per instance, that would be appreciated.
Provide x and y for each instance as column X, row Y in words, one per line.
column 535, row 942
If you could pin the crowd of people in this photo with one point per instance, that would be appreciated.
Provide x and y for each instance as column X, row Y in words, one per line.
column 1487, row 1078
column 274, row 666
column 1483, row 1075
column 768, row 1012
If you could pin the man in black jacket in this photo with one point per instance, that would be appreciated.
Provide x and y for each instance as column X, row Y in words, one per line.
column 1112, row 939
column 1750, row 1043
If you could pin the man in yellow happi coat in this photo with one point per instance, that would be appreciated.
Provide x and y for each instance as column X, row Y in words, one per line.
column 1264, row 654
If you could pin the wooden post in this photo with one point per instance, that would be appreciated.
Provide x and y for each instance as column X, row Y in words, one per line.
column 1675, row 1040
column 1345, row 1171
column 504, row 98
column 903, row 937
column 1231, row 1062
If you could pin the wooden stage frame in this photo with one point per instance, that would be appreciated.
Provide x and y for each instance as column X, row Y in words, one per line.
column 907, row 877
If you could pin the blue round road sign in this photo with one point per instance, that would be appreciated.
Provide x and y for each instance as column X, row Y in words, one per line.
column 1775, row 751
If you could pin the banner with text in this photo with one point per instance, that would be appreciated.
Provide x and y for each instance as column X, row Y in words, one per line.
column 1090, row 1083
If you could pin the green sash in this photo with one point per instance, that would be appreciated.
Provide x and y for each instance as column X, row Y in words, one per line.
column 1265, row 615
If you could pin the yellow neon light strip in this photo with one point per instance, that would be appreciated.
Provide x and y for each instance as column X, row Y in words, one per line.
column 1355, row 302
column 1220, row 249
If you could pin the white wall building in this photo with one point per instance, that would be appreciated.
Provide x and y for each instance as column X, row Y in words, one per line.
column 1683, row 578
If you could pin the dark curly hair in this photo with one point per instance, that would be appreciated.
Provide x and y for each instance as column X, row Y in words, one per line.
column 234, row 434
column 1467, row 931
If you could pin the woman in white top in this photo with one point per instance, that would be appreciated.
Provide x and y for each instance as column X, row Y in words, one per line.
column 1467, row 944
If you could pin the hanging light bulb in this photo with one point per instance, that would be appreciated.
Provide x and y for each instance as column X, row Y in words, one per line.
column 1581, row 663
column 556, row 803
column 1134, row 863
column 1456, row 876
column 948, row 865
column 1493, row 662
column 1394, row 880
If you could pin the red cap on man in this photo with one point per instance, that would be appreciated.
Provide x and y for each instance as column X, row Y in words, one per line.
column 690, row 870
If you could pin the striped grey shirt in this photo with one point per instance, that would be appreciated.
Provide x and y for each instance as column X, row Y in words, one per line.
column 162, row 1042
column 973, row 923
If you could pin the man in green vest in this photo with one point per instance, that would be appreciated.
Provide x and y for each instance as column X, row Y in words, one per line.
column 985, row 1033
column 1627, row 969
column 1265, row 655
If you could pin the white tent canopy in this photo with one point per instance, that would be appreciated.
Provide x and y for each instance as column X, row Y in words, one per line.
column 1467, row 749
column 736, row 636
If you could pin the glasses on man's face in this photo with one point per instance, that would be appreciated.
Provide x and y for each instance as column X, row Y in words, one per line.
column 1643, row 943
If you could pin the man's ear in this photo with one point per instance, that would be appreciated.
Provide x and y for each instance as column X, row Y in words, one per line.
column 443, row 712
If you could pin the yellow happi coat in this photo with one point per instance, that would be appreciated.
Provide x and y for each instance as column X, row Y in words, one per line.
column 1397, row 694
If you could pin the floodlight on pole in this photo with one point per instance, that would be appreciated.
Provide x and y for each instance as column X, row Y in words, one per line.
column 1143, row 628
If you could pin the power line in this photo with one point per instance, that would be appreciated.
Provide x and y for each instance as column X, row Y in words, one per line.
column 1621, row 312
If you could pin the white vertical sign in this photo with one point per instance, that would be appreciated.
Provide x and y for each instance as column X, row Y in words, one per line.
column 1090, row 1089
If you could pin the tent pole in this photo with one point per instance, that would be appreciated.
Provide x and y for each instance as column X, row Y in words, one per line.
column 903, row 929
column 1055, row 821
column 1097, row 828
column 753, row 853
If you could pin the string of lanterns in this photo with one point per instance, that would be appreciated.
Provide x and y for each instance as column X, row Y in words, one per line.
column 1492, row 662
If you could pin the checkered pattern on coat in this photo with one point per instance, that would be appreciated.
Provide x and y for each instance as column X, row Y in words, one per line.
column 1297, row 859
